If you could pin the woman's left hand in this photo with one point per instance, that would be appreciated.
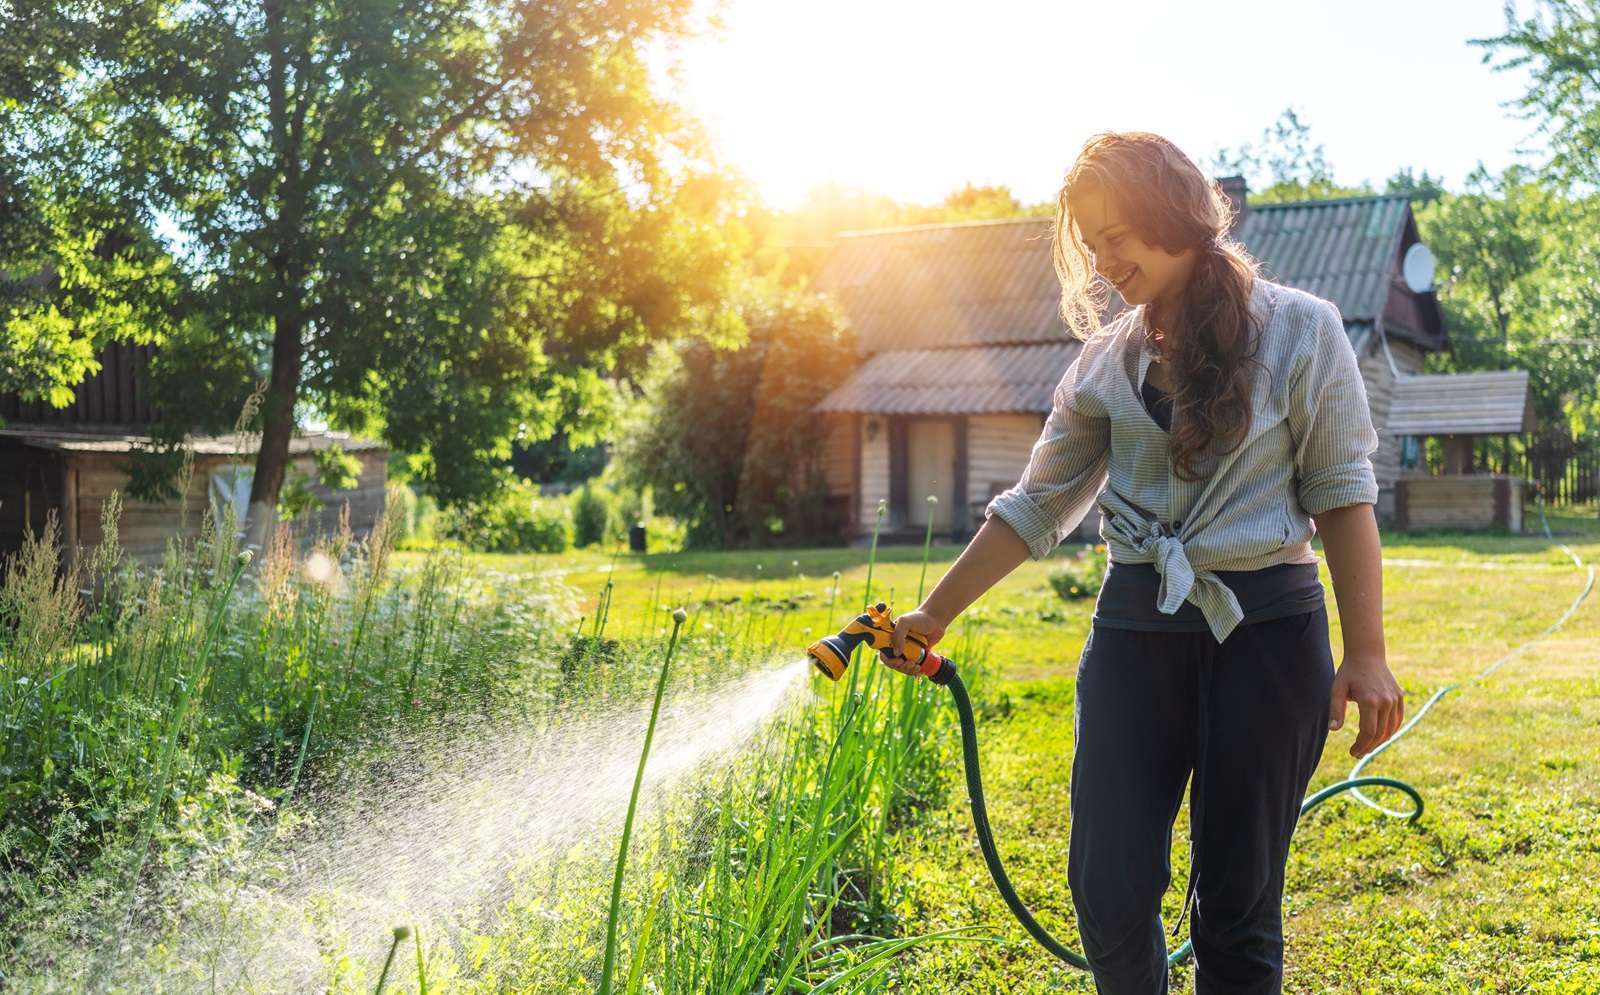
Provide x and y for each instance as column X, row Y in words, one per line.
column 1378, row 698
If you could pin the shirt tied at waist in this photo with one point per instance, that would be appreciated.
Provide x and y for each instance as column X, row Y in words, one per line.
column 1135, row 538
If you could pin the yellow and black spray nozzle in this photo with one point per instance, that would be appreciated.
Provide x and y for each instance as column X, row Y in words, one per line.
column 874, row 627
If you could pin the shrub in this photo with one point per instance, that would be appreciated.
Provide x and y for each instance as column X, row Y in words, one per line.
column 594, row 517
column 515, row 520
column 1081, row 575
column 727, row 439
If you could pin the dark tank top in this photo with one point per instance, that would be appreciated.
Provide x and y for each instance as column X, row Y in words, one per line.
column 1128, row 595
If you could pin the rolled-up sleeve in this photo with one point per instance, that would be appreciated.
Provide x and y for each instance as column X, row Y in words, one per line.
column 1065, row 473
column 1330, row 422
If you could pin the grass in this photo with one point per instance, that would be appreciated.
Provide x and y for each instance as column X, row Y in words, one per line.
column 835, row 851
column 766, row 873
column 1492, row 891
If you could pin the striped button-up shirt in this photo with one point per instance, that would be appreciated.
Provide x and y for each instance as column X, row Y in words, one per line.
column 1308, row 449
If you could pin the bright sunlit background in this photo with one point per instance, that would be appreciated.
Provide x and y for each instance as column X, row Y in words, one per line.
column 915, row 99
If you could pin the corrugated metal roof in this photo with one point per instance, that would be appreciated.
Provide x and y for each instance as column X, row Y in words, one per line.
column 990, row 283
column 1340, row 250
column 979, row 380
column 1461, row 403
column 934, row 286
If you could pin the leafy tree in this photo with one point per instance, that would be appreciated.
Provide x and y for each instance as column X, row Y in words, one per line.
column 67, row 288
column 1558, row 44
column 439, row 222
column 1424, row 189
column 1284, row 165
column 556, row 460
column 726, row 439
column 1521, row 288
column 831, row 208
column 1491, row 237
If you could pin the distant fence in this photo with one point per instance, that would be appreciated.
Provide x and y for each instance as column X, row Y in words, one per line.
column 1565, row 470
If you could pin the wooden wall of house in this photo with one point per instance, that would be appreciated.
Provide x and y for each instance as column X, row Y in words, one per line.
column 30, row 486
column 998, row 447
column 1378, row 379
column 143, row 527
column 838, row 452
column 366, row 499
column 874, row 470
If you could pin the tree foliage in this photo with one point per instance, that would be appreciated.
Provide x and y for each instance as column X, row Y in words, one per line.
column 1284, row 165
column 441, row 223
column 1547, row 227
column 1521, row 289
column 1558, row 43
column 726, row 439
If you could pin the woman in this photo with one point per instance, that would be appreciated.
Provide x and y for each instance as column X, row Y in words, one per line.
column 1225, row 418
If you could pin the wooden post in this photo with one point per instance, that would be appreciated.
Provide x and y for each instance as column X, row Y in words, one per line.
column 897, row 472
column 958, row 514
column 1458, row 454
column 69, row 510
column 853, row 526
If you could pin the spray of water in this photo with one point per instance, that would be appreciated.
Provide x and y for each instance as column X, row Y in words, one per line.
column 435, row 834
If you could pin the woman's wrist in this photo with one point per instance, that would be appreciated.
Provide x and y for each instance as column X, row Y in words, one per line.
column 941, row 612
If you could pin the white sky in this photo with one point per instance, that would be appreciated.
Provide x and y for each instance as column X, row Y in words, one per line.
column 913, row 98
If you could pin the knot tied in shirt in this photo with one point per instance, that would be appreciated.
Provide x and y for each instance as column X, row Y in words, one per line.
column 1149, row 540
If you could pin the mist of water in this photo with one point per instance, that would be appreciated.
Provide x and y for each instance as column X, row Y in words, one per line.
column 435, row 833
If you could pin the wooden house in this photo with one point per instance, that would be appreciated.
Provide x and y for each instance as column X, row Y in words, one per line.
column 69, row 461
column 962, row 346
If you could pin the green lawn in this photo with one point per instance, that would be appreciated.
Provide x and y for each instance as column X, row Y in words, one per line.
column 1492, row 891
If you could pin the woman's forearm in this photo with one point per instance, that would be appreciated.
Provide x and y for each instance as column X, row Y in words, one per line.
column 992, row 554
column 1355, row 561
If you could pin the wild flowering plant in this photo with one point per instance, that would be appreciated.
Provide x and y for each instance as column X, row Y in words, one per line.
column 1081, row 574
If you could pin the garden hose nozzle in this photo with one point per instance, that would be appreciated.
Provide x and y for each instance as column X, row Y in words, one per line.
column 874, row 627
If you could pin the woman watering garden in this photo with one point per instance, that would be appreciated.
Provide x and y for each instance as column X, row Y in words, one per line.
column 1222, row 422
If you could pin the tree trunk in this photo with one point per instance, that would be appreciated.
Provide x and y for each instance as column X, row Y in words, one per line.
column 287, row 272
column 277, row 416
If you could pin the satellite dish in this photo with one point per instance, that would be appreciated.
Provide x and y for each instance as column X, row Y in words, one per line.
column 1417, row 267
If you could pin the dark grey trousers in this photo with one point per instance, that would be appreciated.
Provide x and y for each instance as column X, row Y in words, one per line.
column 1248, row 719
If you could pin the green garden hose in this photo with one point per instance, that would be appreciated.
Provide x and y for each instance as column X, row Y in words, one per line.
column 947, row 676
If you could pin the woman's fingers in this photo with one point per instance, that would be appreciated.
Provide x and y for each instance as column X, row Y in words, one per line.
column 899, row 664
column 1366, row 738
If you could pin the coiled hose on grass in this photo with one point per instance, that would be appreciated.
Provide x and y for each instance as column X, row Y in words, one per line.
column 1353, row 784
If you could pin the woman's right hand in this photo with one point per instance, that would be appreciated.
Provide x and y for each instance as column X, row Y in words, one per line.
column 926, row 625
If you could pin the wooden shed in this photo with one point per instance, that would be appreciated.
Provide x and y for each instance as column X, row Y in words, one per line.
column 69, row 460
column 1457, row 407
column 962, row 345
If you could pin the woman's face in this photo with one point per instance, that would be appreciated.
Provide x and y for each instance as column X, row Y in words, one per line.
column 1141, row 273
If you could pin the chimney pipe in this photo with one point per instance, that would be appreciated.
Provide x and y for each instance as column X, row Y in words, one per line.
column 1237, row 192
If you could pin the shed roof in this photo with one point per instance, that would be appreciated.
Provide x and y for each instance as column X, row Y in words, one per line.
column 1461, row 404
column 933, row 286
column 979, row 380
column 63, row 440
column 992, row 282
column 1343, row 250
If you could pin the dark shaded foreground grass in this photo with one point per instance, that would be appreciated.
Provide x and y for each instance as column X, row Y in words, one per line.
column 1492, row 891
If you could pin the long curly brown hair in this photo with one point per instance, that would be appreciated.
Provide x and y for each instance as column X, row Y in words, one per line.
column 1213, row 336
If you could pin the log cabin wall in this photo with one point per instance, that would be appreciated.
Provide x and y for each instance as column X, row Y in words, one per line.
column 1378, row 380
column 874, row 470
column 77, row 484
column 30, row 487
column 998, row 447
